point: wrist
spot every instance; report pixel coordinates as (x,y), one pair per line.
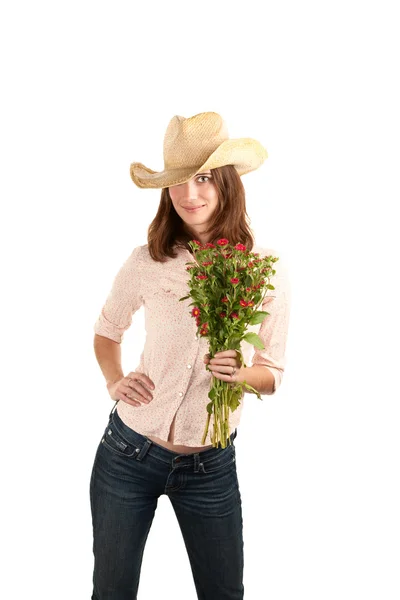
(241,374)
(110,382)
(259,377)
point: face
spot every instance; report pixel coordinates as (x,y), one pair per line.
(195,201)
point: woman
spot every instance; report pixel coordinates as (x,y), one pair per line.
(152,442)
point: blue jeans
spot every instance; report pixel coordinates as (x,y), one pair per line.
(129,474)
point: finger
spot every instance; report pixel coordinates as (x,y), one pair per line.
(226,353)
(126,399)
(142,378)
(223,361)
(134,380)
(227,370)
(137,391)
(133,398)
(224,376)
(222,369)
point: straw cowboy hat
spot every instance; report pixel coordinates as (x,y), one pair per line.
(197,144)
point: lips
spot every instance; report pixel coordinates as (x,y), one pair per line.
(193,209)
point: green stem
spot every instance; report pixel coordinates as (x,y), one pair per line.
(220,410)
(227,413)
(203,441)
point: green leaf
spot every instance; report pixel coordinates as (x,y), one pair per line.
(258,317)
(184,298)
(209,408)
(234,401)
(252,338)
(241,359)
(270,286)
(212,393)
(250,389)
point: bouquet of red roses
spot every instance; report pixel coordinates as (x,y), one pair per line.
(227,284)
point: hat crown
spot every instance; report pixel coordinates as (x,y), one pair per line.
(188,142)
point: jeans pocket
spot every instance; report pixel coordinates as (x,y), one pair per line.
(116,443)
(225,458)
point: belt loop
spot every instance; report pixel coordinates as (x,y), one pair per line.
(196,457)
(198,466)
(234,434)
(144,450)
(112,410)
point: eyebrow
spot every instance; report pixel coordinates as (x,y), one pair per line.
(205,173)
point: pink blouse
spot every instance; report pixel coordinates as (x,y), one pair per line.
(173,354)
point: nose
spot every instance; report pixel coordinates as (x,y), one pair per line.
(189,191)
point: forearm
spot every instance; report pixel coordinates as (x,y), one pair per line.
(259,377)
(108,355)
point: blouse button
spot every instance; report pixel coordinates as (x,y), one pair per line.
(181,393)
(189,366)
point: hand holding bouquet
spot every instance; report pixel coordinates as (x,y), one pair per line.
(227,284)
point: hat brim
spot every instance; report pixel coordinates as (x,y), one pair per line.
(245,154)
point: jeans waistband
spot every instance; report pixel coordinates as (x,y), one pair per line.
(141,441)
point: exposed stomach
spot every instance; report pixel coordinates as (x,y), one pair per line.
(177,448)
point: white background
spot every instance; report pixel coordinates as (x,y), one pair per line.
(88,88)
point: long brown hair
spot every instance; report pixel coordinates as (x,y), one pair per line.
(229,220)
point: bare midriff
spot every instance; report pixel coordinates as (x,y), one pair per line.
(176,447)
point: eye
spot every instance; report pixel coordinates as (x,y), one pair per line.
(203,177)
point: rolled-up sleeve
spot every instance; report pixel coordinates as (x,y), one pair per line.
(123,300)
(274,329)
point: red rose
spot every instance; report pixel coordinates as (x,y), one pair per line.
(234,280)
(223,242)
(201,276)
(240,247)
(195,312)
(243,302)
(234,315)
